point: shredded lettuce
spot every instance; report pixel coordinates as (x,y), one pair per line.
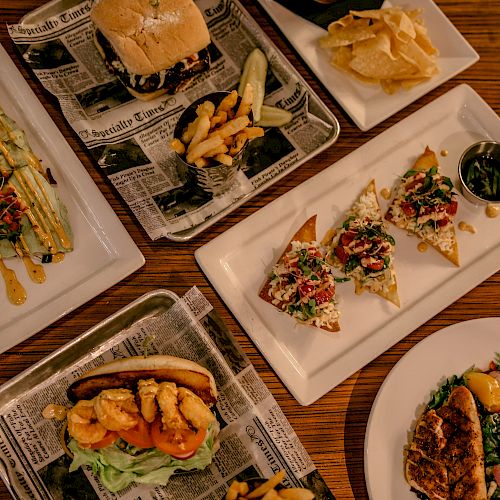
(117,467)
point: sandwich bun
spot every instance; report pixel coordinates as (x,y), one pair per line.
(150,36)
(126,372)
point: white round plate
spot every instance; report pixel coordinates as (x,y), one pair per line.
(406,390)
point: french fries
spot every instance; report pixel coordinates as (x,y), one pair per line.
(267,491)
(219,132)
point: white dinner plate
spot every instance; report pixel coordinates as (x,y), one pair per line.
(406,391)
(309,361)
(104,253)
(366,104)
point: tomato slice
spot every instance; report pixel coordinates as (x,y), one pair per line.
(180,444)
(139,436)
(107,440)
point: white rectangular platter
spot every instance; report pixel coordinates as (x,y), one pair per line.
(309,361)
(368,105)
(104,252)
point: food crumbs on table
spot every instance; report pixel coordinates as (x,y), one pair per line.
(444,152)
(464,226)
(492,211)
(385,193)
(422,247)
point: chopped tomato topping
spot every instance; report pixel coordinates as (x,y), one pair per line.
(347,237)
(323,296)
(452,207)
(305,290)
(378,265)
(408,209)
(179,443)
(341,254)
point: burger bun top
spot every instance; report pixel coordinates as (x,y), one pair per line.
(151,35)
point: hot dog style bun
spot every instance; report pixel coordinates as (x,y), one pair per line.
(142,419)
(153,46)
(126,372)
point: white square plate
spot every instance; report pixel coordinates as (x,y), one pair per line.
(104,252)
(408,388)
(368,105)
(309,361)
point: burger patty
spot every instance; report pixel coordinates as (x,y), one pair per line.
(169,79)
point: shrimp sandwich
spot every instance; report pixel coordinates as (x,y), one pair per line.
(141,419)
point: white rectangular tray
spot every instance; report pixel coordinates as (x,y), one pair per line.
(309,361)
(368,105)
(104,252)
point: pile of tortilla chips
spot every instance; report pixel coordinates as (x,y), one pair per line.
(389,47)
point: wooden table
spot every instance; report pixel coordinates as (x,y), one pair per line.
(332,430)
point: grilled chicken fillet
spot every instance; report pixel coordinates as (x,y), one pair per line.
(445,460)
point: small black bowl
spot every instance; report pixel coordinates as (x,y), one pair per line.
(489,150)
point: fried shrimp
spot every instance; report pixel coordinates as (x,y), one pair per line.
(167,400)
(116,409)
(194,409)
(83,424)
(147,396)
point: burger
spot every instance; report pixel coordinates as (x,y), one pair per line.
(153,46)
(142,419)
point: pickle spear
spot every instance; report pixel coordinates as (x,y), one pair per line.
(254,73)
(270,116)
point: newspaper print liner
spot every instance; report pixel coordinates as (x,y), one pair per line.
(129,139)
(259,438)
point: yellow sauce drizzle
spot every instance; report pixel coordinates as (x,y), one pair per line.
(463,226)
(385,193)
(36,205)
(422,247)
(492,211)
(15,291)
(58,257)
(56,411)
(444,152)
(36,272)
(6,153)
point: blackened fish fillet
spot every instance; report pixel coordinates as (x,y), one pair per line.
(445,460)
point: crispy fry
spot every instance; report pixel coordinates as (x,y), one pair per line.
(271,495)
(189,131)
(224,159)
(253,132)
(228,102)
(206,108)
(218,119)
(178,146)
(200,149)
(246,101)
(268,485)
(201,132)
(237,143)
(218,150)
(201,162)
(296,494)
(234,491)
(232,127)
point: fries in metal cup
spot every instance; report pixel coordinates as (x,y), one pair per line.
(267,490)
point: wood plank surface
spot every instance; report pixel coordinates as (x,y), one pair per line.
(332,430)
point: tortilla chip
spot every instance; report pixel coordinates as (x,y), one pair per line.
(306,233)
(388,45)
(425,161)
